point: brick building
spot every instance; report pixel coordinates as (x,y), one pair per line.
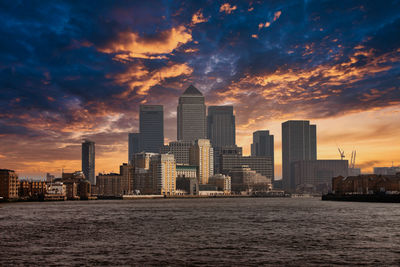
(8,184)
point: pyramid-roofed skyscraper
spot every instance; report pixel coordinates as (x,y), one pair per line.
(191,124)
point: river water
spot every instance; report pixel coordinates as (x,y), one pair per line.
(228,232)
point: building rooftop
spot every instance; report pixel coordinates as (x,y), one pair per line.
(191,90)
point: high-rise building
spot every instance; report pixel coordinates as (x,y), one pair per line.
(263,145)
(88,160)
(202,156)
(151,128)
(299,142)
(134,145)
(163,170)
(221,126)
(191,112)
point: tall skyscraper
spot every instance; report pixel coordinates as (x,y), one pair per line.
(134,145)
(88,160)
(263,145)
(221,126)
(202,156)
(191,111)
(151,128)
(299,142)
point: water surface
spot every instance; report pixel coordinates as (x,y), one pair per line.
(229,232)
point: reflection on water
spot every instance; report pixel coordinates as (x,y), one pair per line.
(245,231)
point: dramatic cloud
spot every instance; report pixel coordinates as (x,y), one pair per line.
(131,45)
(70,71)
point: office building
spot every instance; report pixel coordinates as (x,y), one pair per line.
(315,176)
(116,184)
(299,142)
(191,115)
(88,160)
(134,145)
(221,126)
(109,185)
(8,184)
(180,149)
(261,165)
(189,186)
(142,160)
(263,145)
(244,179)
(163,170)
(151,128)
(202,156)
(227,150)
(186,171)
(222,182)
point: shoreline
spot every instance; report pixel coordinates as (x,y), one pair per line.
(141,197)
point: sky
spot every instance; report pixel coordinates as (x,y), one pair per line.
(71,70)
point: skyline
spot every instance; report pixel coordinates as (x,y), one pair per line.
(68,74)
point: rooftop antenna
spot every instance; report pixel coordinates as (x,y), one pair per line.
(341,152)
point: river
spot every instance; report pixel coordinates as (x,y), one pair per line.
(206,232)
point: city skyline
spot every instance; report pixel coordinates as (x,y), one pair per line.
(69,75)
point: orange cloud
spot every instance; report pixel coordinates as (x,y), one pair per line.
(139,79)
(292,85)
(131,45)
(198,18)
(227,8)
(277,14)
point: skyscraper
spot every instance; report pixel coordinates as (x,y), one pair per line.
(263,145)
(221,126)
(134,145)
(299,142)
(151,128)
(88,160)
(191,111)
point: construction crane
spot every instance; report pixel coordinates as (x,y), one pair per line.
(341,152)
(353,159)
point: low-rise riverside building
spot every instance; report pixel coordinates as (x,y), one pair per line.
(32,189)
(76,185)
(56,191)
(366,184)
(8,184)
